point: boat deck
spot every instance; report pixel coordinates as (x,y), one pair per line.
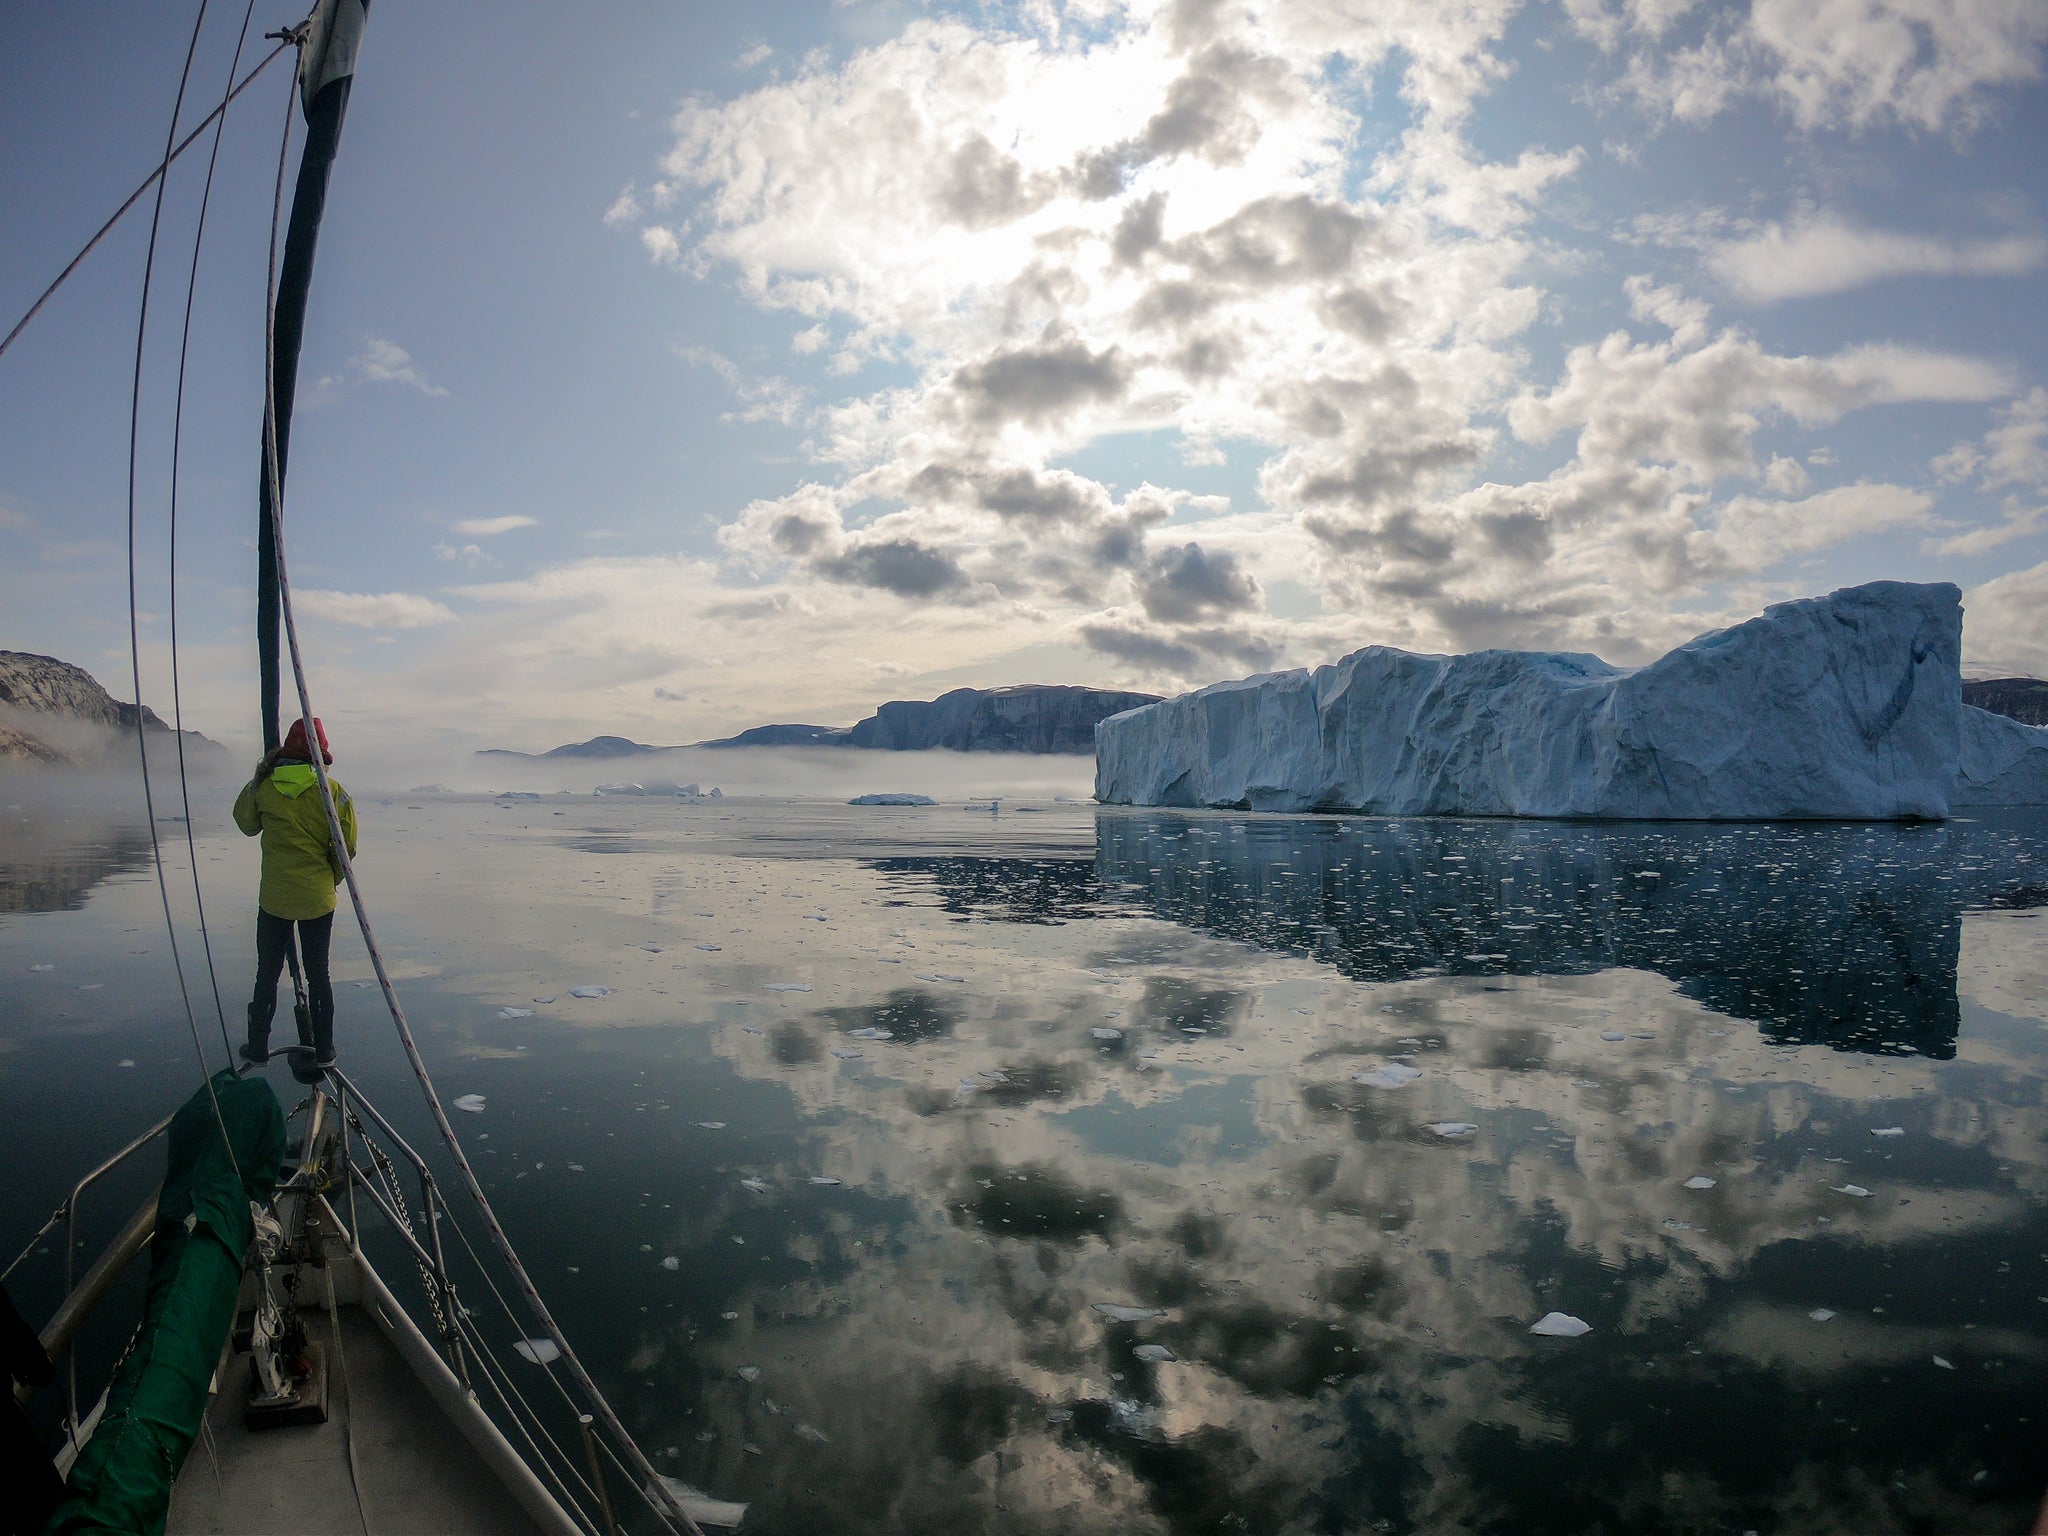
(413,1471)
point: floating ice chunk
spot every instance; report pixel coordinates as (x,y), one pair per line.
(671,1263)
(515,1013)
(590,991)
(1393,1074)
(1560,1325)
(966,1086)
(1944,1364)
(711,948)
(748,1373)
(541,1000)
(539,1351)
(1449,1128)
(42,967)
(1149,1054)
(473,1103)
(652,949)
(1851,1189)
(787,986)
(577,1168)
(1888,1130)
(701,1507)
(712,1125)
(125,1061)
(823,1180)
(1700,1181)
(847,1055)
(1123,1312)
(753,1029)
(871,1033)
(91,986)
(1821,1314)
(730,1317)
(1155,1353)
(935,976)
(1059,1415)
(1105,1032)
(890,799)
(813,1433)
(1612,1034)
(758,1186)
(1680,1226)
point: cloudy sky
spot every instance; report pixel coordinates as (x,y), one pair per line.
(673,368)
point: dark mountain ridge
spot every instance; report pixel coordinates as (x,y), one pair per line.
(56,714)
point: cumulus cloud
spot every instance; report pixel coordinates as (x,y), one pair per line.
(372,610)
(491,527)
(1830,255)
(1932,65)
(382,361)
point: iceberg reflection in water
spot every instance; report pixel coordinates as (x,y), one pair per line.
(1843,934)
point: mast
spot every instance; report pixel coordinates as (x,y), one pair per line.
(329,41)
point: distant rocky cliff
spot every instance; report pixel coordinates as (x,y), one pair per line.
(2024,699)
(1030,717)
(56,714)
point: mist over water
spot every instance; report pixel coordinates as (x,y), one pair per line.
(1067,1169)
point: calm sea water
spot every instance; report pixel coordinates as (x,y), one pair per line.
(1329,1112)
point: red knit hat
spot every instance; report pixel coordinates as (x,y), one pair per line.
(295,742)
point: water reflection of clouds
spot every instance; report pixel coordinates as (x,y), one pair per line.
(1345,1291)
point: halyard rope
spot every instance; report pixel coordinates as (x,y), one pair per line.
(658,1490)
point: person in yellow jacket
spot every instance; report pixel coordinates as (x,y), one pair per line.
(300,872)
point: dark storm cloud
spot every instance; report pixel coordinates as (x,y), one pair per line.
(1188,583)
(1040,382)
(1142,647)
(901,566)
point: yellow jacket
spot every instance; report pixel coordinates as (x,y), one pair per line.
(300,870)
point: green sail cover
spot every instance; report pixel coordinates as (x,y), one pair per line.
(122,1479)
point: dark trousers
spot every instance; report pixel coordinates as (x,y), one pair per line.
(273,936)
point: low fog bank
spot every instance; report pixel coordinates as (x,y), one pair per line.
(114,786)
(822,773)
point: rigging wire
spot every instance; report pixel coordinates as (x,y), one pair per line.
(134,621)
(177,445)
(136,196)
(664,1501)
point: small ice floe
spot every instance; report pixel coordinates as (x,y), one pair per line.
(1450,1128)
(91,986)
(1392,1074)
(671,1263)
(1123,1312)
(701,1507)
(752,1029)
(730,1317)
(812,1433)
(1106,1032)
(577,1168)
(652,949)
(1560,1325)
(787,986)
(871,1033)
(515,1013)
(823,1180)
(996,1075)
(543,1001)
(847,1055)
(538,1351)
(758,1186)
(1851,1189)
(1674,1225)
(1888,1130)
(125,1061)
(590,991)
(1700,1181)
(1821,1314)
(965,1086)
(1156,1354)
(748,1373)
(712,1125)
(1946,1365)
(890,799)
(1612,1035)
(1150,1054)
(710,948)
(471,1103)
(1059,1415)
(935,976)
(42,967)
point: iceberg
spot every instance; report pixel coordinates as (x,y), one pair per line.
(891,799)
(1846,707)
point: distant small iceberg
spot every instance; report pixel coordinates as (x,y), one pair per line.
(891,800)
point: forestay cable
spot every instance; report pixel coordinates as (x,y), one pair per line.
(177,446)
(136,196)
(134,622)
(658,1491)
